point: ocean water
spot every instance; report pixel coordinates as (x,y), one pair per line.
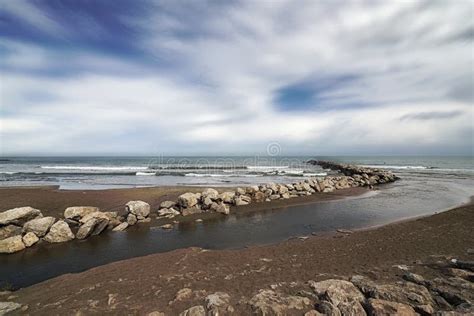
(120,172)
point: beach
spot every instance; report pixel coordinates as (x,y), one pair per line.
(357,220)
(146,284)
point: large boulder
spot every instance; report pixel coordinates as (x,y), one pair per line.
(8,307)
(378,307)
(227,197)
(77,212)
(99,215)
(93,226)
(188,200)
(138,208)
(210,193)
(39,226)
(9,231)
(59,232)
(269,302)
(19,216)
(11,244)
(30,239)
(218,304)
(336,291)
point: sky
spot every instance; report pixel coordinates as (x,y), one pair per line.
(189,77)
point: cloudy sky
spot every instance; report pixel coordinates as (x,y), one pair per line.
(229,77)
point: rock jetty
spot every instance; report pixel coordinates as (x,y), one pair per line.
(25,226)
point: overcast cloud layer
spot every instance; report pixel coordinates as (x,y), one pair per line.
(218,77)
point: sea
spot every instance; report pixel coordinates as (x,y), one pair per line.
(92,173)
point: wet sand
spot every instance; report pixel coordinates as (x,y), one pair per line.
(149,283)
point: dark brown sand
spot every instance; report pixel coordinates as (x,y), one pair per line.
(149,283)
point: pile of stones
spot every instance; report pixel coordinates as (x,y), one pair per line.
(23,227)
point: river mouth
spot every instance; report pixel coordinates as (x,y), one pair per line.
(409,197)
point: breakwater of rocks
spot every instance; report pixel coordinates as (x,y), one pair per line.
(26,226)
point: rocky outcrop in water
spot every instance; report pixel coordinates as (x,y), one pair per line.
(25,226)
(364,175)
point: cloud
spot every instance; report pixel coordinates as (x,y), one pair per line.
(153,77)
(431,115)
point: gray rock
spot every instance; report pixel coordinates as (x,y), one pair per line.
(168,212)
(92,227)
(210,193)
(9,231)
(194,311)
(336,291)
(59,232)
(259,196)
(188,200)
(120,227)
(223,208)
(227,197)
(19,216)
(274,197)
(190,211)
(167,204)
(378,307)
(238,201)
(466,265)
(131,219)
(138,208)
(207,202)
(12,244)
(328,309)
(246,198)
(218,303)
(30,239)
(97,215)
(39,226)
(415,278)
(77,212)
(269,302)
(8,307)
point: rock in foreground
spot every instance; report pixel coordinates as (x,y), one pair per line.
(59,232)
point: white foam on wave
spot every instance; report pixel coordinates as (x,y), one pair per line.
(269,168)
(96,168)
(211,175)
(8,172)
(394,167)
(145,174)
(320,174)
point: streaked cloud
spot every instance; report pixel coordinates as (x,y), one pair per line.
(172,77)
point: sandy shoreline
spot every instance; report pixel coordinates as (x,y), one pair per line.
(149,283)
